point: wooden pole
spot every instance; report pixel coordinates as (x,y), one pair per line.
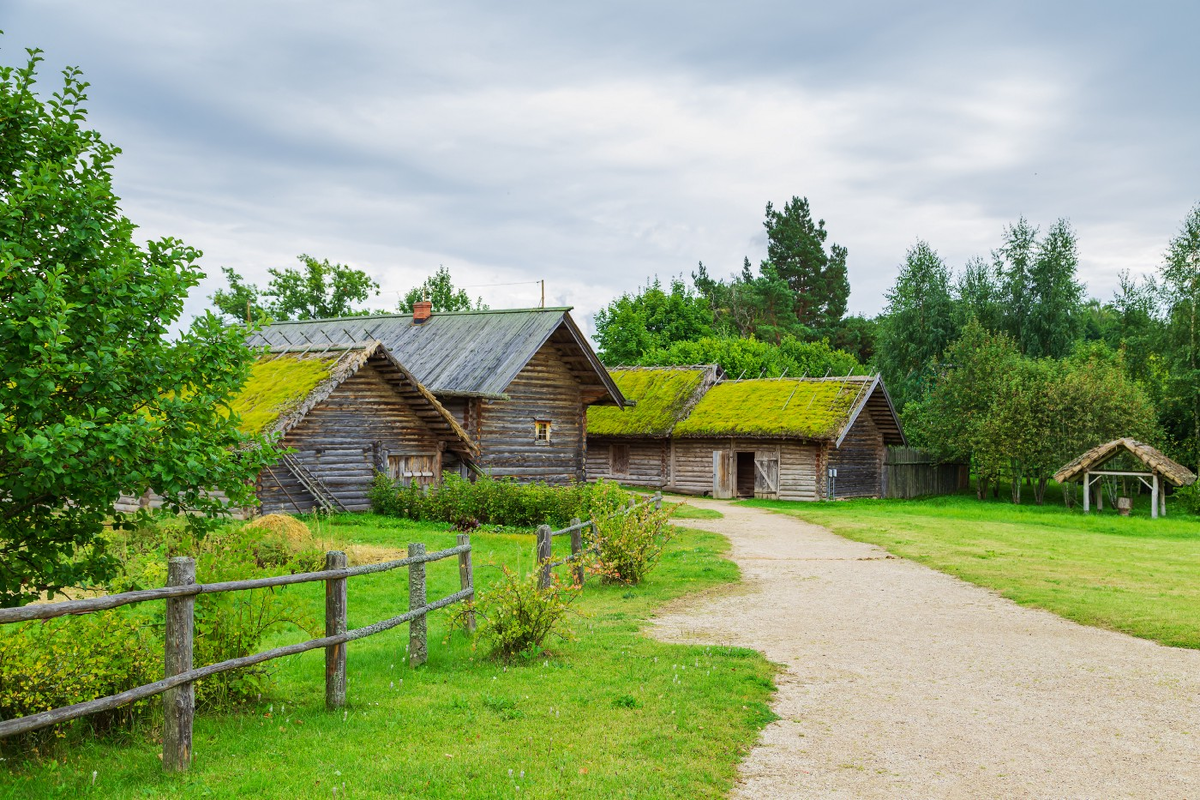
(335,623)
(1087,492)
(1154,496)
(1162,499)
(577,551)
(466,577)
(179,703)
(544,555)
(418,652)
(658,501)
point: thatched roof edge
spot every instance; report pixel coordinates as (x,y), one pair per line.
(1152,457)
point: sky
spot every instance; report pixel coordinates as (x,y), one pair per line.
(596,145)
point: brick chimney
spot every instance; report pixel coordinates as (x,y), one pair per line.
(421,311)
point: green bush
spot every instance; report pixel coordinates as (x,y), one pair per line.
(59,662)
(488,501)
(629,540)
(516,617)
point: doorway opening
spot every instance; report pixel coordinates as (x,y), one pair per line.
(745,474)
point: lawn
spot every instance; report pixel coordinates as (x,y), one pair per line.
(612,714)
(1130,574)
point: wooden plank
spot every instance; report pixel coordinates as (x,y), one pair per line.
(179,703)
(418,652)
(335,624)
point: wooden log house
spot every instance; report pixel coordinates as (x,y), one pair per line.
(518,382)
(785,439)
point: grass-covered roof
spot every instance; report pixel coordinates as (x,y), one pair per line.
(278,385)
(795,408)
(661,396)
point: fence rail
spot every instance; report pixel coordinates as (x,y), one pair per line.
(180,594)
(545,538)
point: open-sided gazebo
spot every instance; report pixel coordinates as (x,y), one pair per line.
(1159,471)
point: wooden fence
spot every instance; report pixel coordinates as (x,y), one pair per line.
(179,675)
(545,541)
(909,472)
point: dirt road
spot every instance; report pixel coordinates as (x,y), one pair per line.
(900,681)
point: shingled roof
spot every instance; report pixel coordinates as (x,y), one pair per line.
(663,396)
(794,408)
(462,353)
(1153,458)
(287,382)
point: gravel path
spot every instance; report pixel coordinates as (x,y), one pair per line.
(900,681)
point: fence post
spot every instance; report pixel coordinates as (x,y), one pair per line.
(577,551)
(544,555)
(179,703)
(335,623)
(418,651)
(658,501)
(466,577)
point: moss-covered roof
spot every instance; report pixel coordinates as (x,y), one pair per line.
(798,408)
(278,385)
(662,396)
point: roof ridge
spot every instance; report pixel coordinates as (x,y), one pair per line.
(405,315)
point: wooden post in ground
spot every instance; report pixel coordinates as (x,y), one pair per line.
(577,551)
(658,501)
(466,577)
(179,703)
(544,555)
(1154,496)
(1087,492)
(1162,499)
(335,623)
(418,652)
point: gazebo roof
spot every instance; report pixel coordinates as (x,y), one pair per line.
(1153,458)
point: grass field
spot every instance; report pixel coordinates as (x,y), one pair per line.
(1130,574)
(613,714)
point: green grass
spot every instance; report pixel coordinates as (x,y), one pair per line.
(685,511)
(661,396)
(1130,574)
(772,407)
(614,714)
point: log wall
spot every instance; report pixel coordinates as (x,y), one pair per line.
(859,461)
(799,465)
(649,461)
(343,441)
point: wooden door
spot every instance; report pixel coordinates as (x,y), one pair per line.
(722,475)
(414,469)
(766,473)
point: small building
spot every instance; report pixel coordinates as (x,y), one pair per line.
(1126,458)
(518,382)
(785,439)
(634,445)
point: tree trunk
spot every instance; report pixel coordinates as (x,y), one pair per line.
(1039,491)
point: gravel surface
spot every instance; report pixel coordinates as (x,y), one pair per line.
(900,681)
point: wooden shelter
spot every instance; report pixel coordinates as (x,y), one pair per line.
(634,445)
(785,438)
(518,382)
(1159,471)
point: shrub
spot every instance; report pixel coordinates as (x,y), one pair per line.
(517,617)
(629,541)
(60,662)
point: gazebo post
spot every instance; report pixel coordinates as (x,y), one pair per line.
(1154,496)
(1162,499)
(1087,492)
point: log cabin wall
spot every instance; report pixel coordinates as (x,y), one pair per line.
(545,390)
(343,440)
(800,468)
(799,465)
(642,462)
(859,461)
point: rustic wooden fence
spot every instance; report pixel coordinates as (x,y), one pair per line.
(909,472)
(545,542)
(179,675)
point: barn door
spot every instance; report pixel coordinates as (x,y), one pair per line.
(722,475)
(766,474)
(420,470)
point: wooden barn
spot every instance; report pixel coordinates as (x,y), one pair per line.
(785,439)
(518,382)
(634,445)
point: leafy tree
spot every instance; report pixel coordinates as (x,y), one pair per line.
(635,324)
(1014,265)
(96,397)
(240,301)
(320,290)
(917,324)
(978,295)
(750,358)
(439,289)
(1181,281)
(796,250)
(1056,298)
(856,335)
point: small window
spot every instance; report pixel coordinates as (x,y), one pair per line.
(541,430)
(618,459)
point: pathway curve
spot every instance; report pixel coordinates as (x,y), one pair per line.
(900,681)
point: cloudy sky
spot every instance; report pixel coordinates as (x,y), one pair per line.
(596,144)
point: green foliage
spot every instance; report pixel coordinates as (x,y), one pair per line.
(240,302)
(634,324)
(1042,299)
(662,395)
(439,289)
(978,295)
(320,290)
(54,663)
(751,358)
(630,540)
(760,306)
(1181,282)
(806,409)
(517,618)
(97,395)
(487,501)
(796,251)
(277,385)
(917,324)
